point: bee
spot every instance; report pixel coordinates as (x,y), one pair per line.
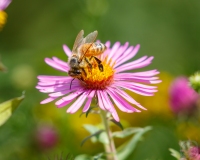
(83,53)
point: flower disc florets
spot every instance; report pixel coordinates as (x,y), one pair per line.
(97,79)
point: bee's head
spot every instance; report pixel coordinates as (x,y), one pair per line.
(73,62)
(75,73)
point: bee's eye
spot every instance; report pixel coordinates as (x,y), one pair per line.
(73,62)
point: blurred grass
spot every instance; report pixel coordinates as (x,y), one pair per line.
(168,30)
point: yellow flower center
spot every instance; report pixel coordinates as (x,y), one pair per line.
(97,79)
(3,17)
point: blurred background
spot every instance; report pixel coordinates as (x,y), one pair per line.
(168,30)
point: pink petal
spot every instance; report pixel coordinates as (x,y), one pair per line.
(146,73)
(113,50)
(55,65)
(50,99)
(67,50)
(135,64)
(60,62)
(107,102)
(78,103)
(127,55)
(100,102)
(107,44)
(128,98)
(53,78)
(121,103)
(4,4)
(64,92)
(119,53)
(88,103)
(64,103)
(104,101)
(137,90)
(69,97)
(54,88)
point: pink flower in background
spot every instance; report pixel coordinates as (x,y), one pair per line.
(194,153)
(182,96)
(4,4)
(46,137)
(108,87)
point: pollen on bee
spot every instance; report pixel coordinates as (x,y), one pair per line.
(96,79)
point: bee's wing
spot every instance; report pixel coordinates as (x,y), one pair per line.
(90,38)
(78,41)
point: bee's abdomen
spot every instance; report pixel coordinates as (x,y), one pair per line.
(93,49)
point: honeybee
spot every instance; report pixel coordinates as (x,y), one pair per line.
(83,53)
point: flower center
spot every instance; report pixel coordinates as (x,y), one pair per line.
(97,79)
(3,17)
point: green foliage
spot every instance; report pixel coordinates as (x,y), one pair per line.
(175,153)
(195,81)
(117,123)
(7,108)
(126,132)
(126,149)
(96,134)
(83,157)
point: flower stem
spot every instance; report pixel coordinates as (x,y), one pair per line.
(110,148)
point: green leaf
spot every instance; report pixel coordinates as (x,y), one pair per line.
(103,138)
(99,156)
(126,132)
(91,128)
(83,157)
(7,108)
(92,135)
(117,123)
(91,109)
(175,153)
(126,149)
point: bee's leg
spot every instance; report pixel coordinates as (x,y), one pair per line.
(84,71)
(71,83)
(88,63)
(99,63)
(81,79)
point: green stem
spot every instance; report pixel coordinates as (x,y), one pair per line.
(110,148)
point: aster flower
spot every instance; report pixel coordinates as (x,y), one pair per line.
(108,86)
(182,97)
(3,5)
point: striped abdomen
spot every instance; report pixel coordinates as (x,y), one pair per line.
(92,49)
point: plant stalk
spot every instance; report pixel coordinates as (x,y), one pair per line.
(110,148)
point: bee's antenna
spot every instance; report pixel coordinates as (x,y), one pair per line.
(71,83)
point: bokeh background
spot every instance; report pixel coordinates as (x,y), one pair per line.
(169,30)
